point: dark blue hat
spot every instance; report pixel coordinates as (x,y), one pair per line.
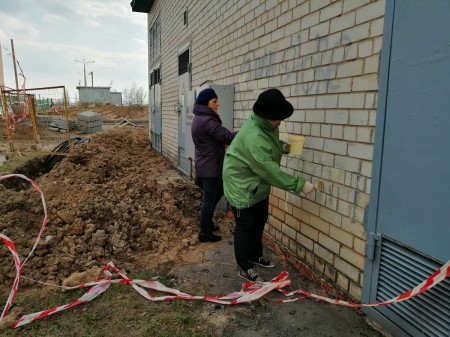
(271,104)
(205,96)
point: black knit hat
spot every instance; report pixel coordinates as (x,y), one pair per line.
(205,96)
(272,105)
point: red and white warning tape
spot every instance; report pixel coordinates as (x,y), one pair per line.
(249,292)
(10,244)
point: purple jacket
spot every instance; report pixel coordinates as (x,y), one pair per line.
(210,138)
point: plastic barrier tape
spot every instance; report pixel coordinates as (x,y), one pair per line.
(249,292)
(8,242)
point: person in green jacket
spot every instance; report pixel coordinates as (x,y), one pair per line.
(251,167)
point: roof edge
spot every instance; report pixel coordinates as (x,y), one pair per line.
(141,6)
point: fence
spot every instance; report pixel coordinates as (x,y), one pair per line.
(35,120)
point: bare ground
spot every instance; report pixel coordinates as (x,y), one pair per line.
(111,199)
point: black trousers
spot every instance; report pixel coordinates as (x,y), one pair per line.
(212,193)
(248,233)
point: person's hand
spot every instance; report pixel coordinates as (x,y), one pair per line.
(287,148)
(308,187)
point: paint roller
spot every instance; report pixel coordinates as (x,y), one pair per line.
(319,185)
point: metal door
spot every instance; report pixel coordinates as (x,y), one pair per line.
(184,87)
(155,109)
(409,217)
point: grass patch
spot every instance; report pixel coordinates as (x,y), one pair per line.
(120,311)
(13,164)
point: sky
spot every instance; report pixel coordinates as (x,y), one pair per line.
(104,36)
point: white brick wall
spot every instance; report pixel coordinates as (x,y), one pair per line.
(324,56)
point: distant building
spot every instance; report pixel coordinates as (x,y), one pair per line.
(116,98)
(99,95)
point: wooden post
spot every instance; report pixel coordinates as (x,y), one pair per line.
(32,111)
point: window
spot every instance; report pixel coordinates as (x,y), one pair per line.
(185,17)
(155,77)
(183,63)
(154,37)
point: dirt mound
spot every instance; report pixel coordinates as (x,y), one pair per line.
(112,199)
(109,112)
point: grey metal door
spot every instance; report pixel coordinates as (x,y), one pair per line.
(184,87)
(155,110)
(409,217)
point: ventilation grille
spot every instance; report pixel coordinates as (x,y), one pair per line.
(156,142)
(183,63)
(402,269)
(155,77)
(184,164)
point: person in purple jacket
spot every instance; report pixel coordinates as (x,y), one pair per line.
(210,139)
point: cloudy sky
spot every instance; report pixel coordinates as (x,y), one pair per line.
(49,35)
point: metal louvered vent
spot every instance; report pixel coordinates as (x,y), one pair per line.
(402,269)
(183,63)
(184,164)
(156,142)
(155,77)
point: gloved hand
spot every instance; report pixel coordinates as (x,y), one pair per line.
(308,187)
(287,148)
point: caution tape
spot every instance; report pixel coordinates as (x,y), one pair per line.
(250,291)
(10,244)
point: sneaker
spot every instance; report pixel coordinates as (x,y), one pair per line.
(250,275)
(210,237)
(264,262)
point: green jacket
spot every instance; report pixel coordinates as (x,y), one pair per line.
(252,164)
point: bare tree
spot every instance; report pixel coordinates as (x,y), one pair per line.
(126,96)
(140,96)
(134,96)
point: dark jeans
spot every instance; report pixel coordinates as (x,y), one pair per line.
(248,233)
(212,193)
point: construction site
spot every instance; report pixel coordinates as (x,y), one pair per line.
(99,206)
(111,198)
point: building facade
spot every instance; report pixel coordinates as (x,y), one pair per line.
(326,57)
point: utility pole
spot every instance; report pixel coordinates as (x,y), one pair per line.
(2,78)
(84,68)
(15,73)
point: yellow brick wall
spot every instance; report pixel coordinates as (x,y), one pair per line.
(324,56)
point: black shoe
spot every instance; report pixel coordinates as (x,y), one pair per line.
(210,237)
(264,262)
(250,275)
(214,228)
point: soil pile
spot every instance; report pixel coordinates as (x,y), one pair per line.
(112,199)
(109,112)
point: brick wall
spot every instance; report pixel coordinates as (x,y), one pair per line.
(324,56)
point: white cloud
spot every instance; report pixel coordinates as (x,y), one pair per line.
(50,34)
(52,18)
(10,26)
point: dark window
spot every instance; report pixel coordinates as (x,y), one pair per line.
(155,77)
(183,63)
(185,18)
(154,39)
